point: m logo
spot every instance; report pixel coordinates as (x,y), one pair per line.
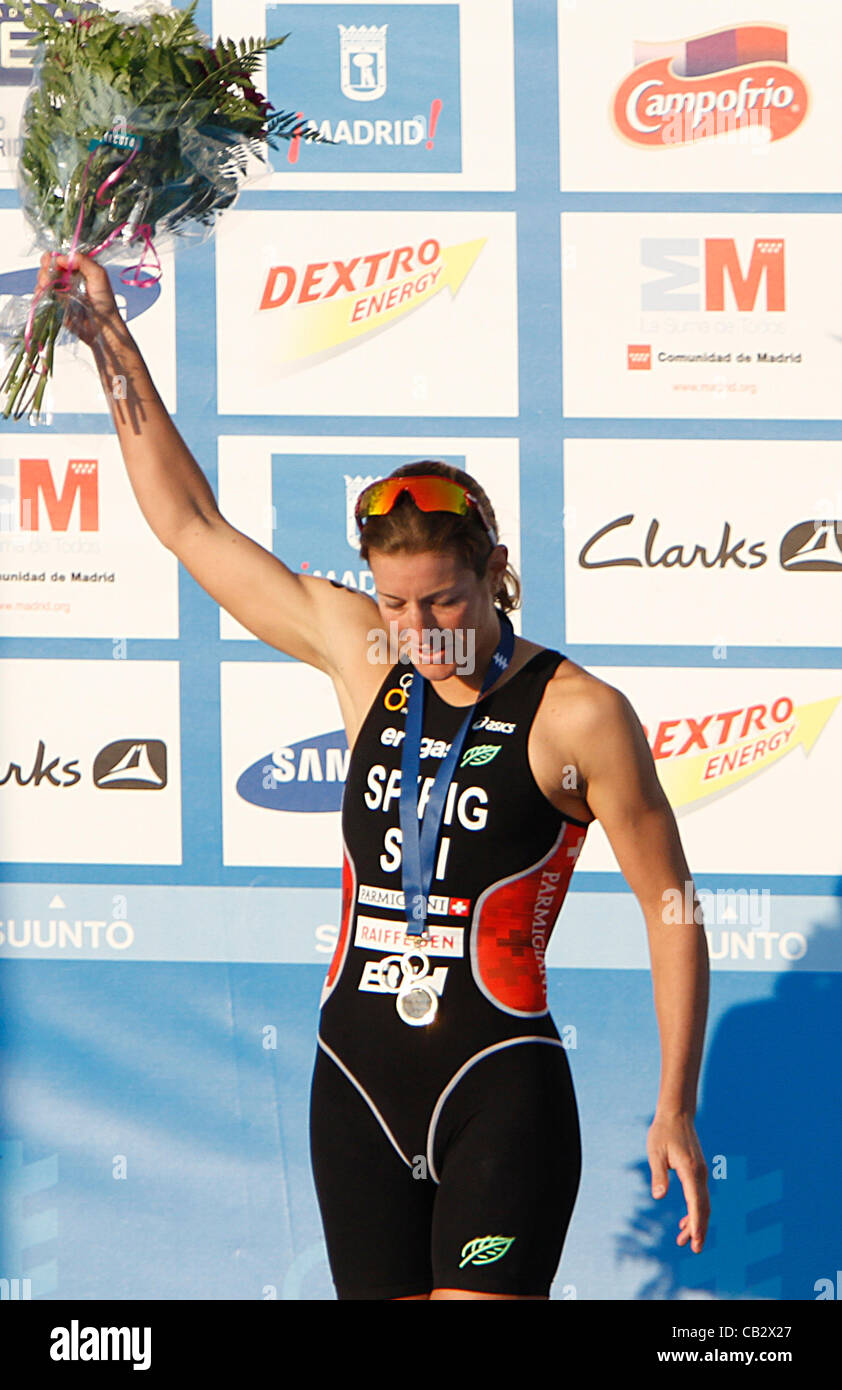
(480,754)
(681,260)
(37,484)
(484,1250)
(362,55)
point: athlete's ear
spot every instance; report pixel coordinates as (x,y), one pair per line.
(496,566)
(498,559)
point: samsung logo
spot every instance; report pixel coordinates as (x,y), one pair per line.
(305,776)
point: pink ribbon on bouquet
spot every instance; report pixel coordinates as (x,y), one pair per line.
(142,231)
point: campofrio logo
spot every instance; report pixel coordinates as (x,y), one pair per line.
(304,776)
(726,81)
(324,306)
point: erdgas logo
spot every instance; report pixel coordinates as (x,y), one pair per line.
(304,776)
(734,79)
(484,1250)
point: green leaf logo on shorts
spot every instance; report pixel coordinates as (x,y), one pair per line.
(484,1250)
(480,754)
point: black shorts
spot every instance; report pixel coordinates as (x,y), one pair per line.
(491,1216)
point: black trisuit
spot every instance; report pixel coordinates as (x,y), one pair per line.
(448,1155)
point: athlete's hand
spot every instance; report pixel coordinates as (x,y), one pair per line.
(92,301)
(673,1143)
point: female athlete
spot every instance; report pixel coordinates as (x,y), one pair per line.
(444,1128)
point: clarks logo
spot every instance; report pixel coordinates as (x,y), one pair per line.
(813,545)
(809,545)
(126,764)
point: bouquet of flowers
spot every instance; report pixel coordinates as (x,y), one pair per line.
(136,128)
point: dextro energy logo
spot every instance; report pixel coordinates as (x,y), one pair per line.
(323,306)
(394,102)
(695,271)
(728,81)
(305,776)
(699,756)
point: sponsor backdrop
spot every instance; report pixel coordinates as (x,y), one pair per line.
(587,252)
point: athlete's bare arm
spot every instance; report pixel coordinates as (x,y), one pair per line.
(307,617)
(597,729)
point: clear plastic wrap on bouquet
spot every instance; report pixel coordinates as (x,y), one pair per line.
(136,132)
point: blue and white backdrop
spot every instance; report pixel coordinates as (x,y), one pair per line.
(587,251)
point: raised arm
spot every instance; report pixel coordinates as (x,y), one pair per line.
(306,617)
(625,795)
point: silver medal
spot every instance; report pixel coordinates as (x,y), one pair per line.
(417,1002)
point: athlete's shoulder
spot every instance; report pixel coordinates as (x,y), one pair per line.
(582,702)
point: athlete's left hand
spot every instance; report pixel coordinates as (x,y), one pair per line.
(673,1143)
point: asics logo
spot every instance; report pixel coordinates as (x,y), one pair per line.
(494,726)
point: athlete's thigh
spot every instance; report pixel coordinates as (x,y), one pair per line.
(508,1157)
(376,1215)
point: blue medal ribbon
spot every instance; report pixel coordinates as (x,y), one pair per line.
(419,843)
